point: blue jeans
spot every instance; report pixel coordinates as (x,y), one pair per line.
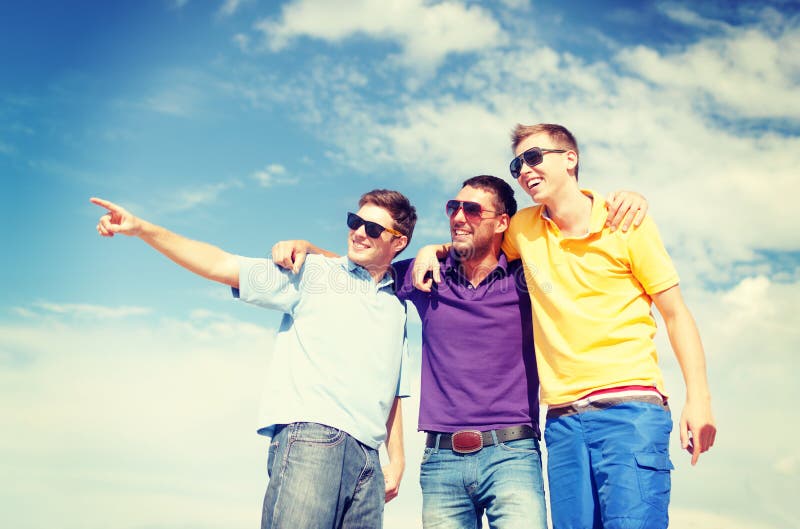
(322,478)
(610,468)
(504,481)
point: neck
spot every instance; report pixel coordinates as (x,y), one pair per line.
(377,271)
(571,212)
(477,267)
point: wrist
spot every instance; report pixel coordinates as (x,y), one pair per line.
(698,399)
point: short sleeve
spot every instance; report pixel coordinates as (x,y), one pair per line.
(263,283)
(651,265)
(403,383)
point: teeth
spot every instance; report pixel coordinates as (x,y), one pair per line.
(534,183)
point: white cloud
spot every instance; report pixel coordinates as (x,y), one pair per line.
(143,415)
(641,131)
(83,310)
(425,32)
(688,17)
(747,70)
(273,174)
(178,101)
(242,41)
(186,199)
(7,148)
(177,92)
(750,339)
(788,465)
(517,4)
(701,519)
(229,7)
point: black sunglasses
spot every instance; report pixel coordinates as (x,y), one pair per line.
(372,229)
(532,156)
(472,210)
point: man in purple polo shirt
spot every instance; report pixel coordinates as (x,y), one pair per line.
(479,386)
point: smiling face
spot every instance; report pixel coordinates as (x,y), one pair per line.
(374,254)
(474,237)
(550,178)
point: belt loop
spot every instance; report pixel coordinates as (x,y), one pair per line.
(494,438)
(436,446)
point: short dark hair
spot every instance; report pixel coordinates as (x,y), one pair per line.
(504,201)
(560,135)
(397,204)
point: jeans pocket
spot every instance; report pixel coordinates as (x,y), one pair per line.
(309,432)
(426,454)
(522,446)
(653,473)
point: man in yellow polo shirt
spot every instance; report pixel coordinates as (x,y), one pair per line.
(608,424)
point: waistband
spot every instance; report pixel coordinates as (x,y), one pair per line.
(606,398)
(468,441)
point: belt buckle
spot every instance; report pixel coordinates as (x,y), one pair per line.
(467,441)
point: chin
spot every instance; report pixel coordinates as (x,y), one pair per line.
(359,258)
(463,249)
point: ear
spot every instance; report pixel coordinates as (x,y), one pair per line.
(398,243)
(572,160)
(502,223)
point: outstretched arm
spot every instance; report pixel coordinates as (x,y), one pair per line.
(393,472)
(292,254)
(198,257)
(698,429)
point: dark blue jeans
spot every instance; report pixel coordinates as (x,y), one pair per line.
(322,478)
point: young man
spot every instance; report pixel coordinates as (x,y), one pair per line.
(608,424)
(325,423)
(479,389)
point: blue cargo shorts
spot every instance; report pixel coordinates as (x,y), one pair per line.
(608,465)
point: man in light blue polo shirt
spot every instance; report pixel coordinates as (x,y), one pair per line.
(333,387)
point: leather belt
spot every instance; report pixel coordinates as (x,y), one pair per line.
(469,441)
(607,401)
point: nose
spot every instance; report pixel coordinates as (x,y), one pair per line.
(525,169)
(361,232)
(459,215)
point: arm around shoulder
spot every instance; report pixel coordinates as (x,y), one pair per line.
(291,254)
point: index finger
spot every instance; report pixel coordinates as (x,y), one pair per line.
(697,450)
(104,203)
(619,213)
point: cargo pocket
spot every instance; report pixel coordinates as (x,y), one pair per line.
(653,473)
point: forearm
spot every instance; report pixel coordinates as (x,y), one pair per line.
(201,258)
(394,437)
(685,341)
(688,347)
(311,248)
(442,249)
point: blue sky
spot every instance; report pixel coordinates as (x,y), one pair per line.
(130,387)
